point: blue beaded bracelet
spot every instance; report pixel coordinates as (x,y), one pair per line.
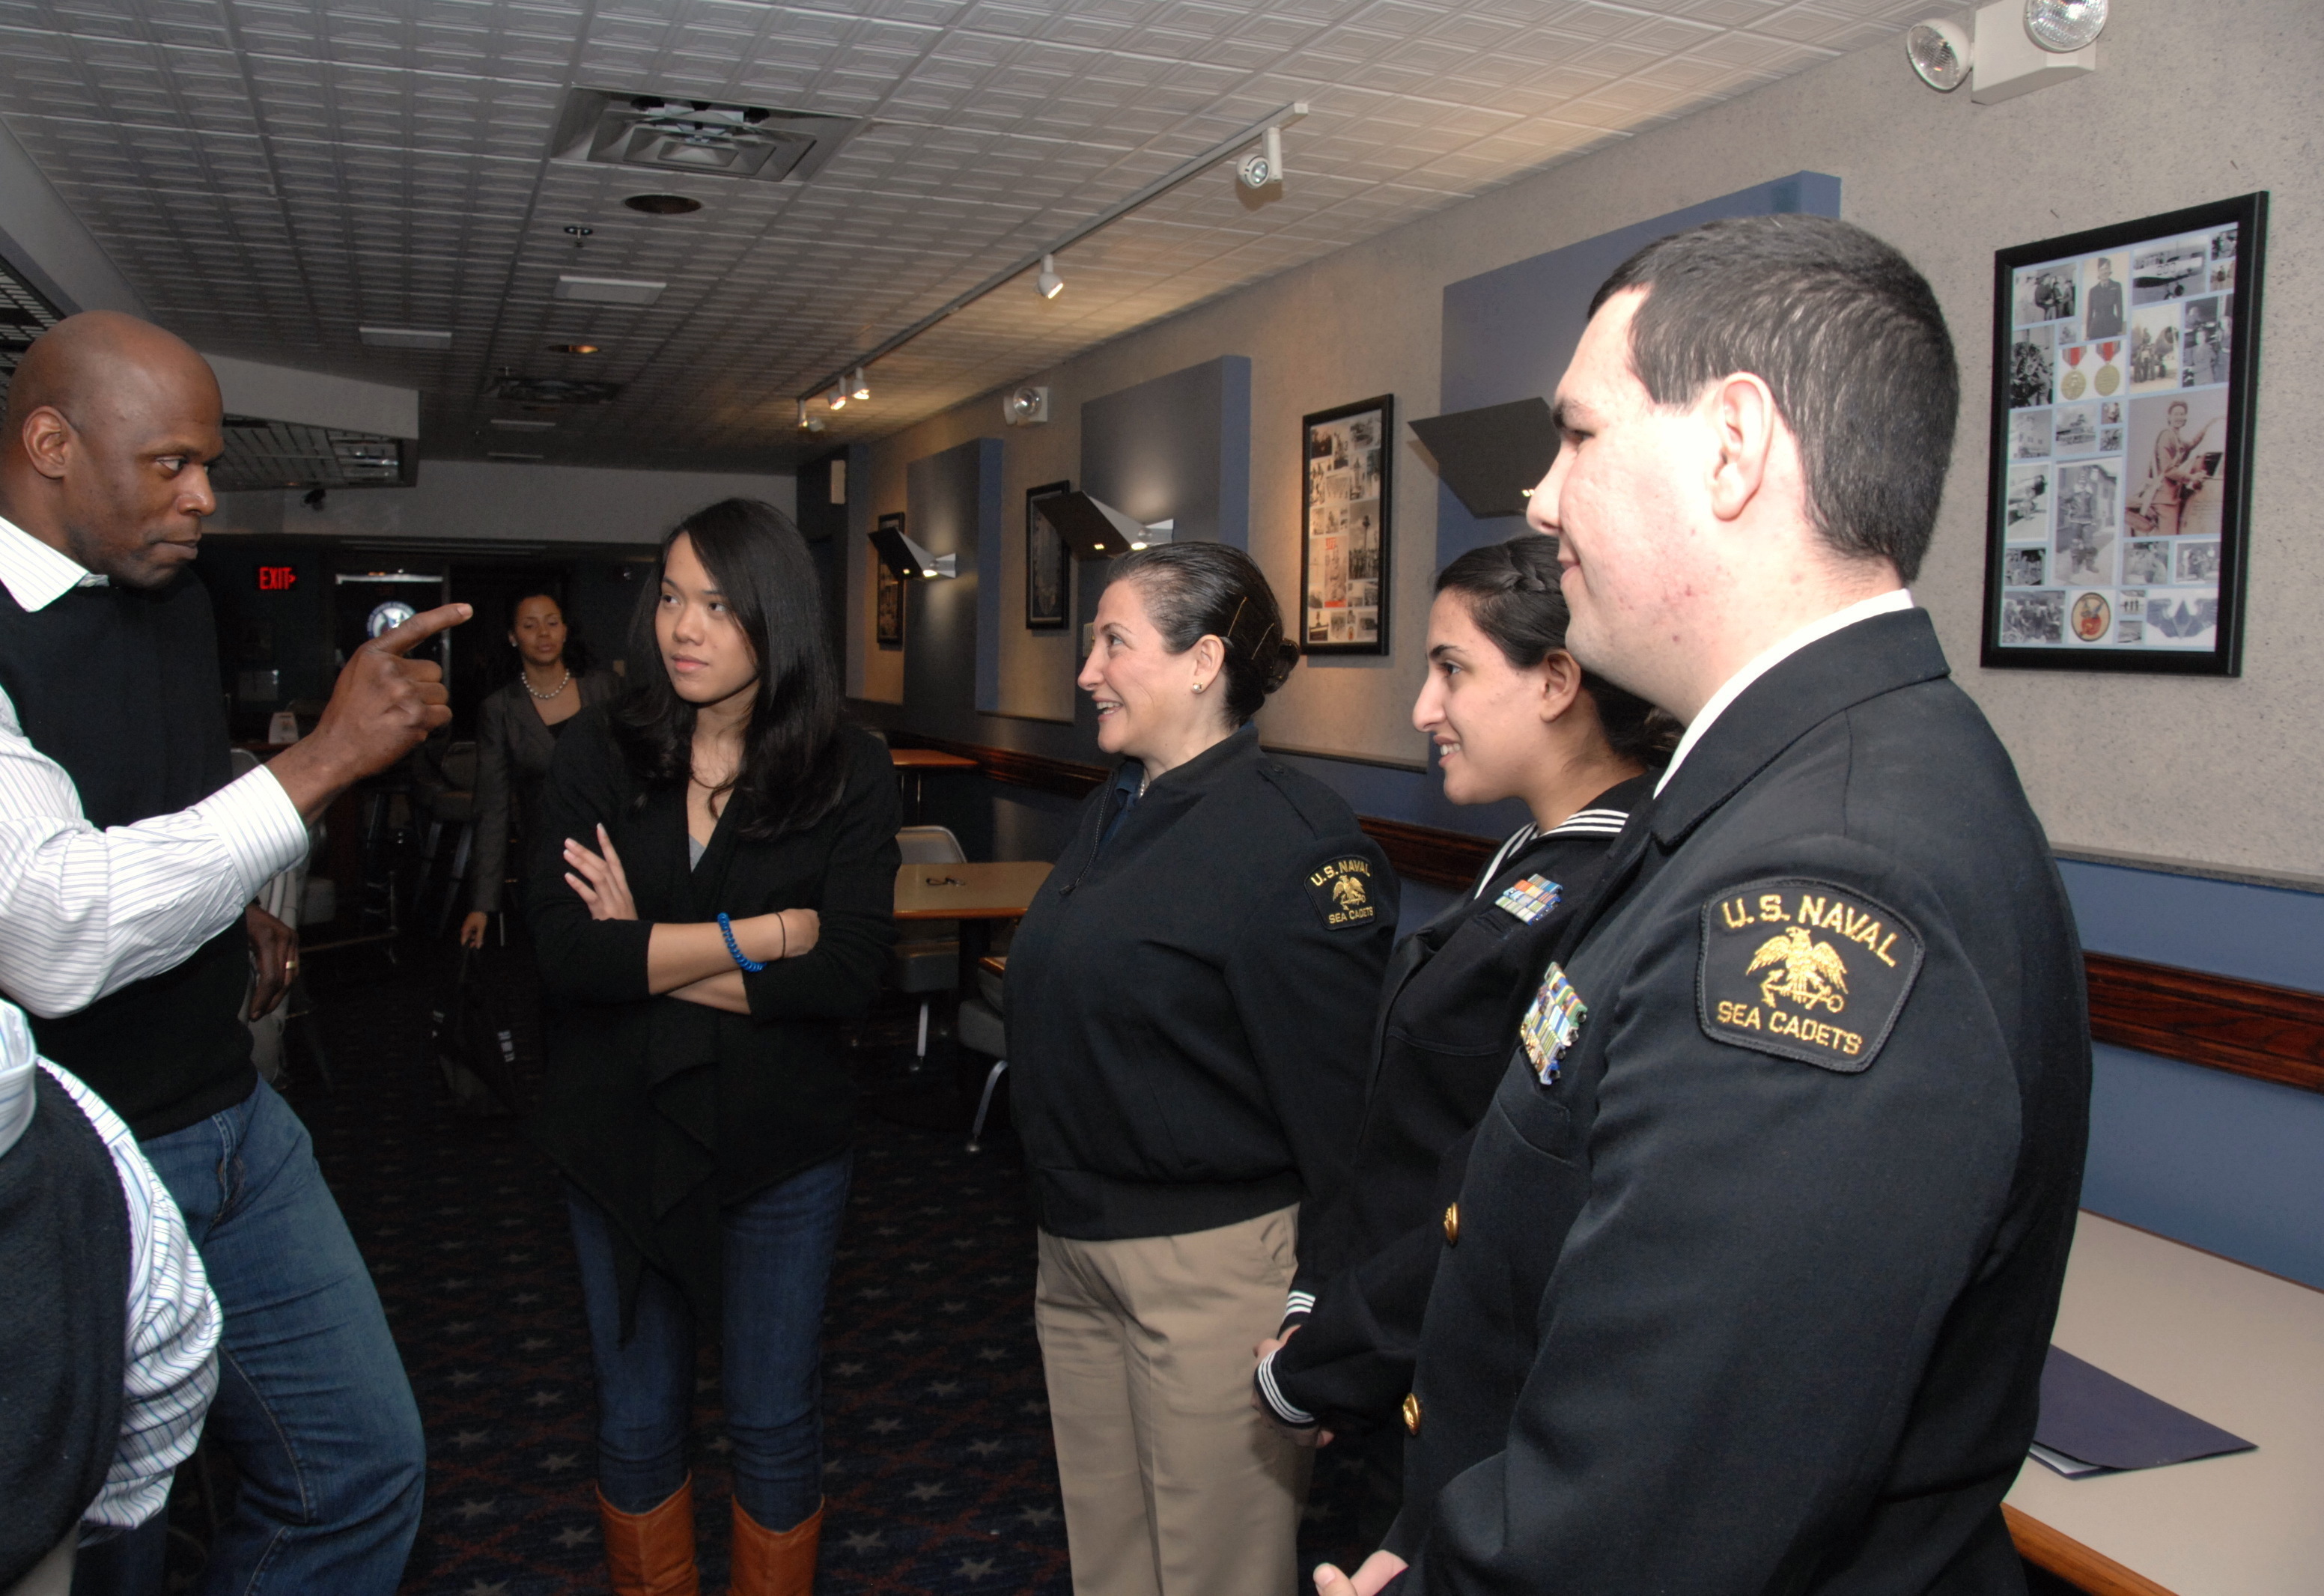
(726,929)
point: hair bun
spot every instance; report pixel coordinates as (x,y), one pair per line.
(1279,669)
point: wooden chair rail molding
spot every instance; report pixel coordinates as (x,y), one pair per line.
(2072,1561)
(2270,1032)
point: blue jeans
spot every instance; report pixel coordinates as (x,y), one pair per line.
(312,1404)
(778,1250)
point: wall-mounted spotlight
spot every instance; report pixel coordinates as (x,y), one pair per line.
(1092,527)
(1048,283)
(858,386)
(907,558)
(1263,165)
(2013,47)
(838,396)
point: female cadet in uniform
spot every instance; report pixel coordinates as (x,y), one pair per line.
(719,901)
(1190,1003)
(1513,716)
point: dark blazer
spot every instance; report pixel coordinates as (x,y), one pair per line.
(1753,1286)
(1449,1010)
(1190,1003)
(513,745)
(661,1110)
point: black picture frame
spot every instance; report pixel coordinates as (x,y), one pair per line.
(888,596)
(1048,569)
(2118,500)
(1346,490)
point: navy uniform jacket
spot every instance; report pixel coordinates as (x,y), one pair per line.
(1190,999)
(1752,1292)
(1448,1011)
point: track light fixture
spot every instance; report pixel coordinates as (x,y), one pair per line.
(859,387)
(802,404)
(1048,283)
(1263,165)
(838,400)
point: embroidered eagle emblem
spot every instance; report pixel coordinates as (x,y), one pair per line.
(1348,892)
(1808,971)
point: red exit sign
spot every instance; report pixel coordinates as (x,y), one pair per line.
(277,578)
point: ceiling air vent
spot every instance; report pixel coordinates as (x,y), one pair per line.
(614,128)
(519,389)
(263,454)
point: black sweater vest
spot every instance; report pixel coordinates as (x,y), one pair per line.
(121,689)
(64,1318)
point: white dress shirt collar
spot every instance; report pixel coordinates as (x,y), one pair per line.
(35,575)
(1732,688)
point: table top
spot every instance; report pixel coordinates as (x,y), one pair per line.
(991,891)
(930,759)
(2240,1348)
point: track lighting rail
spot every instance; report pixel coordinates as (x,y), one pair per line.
(1281,117)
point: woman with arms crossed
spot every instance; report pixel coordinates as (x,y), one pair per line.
(1190,1002)
(1512,717)
(709,898)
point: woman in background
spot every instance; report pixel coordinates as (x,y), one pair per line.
(1190,1002)
(517,728)
(1512,717)
(709,898)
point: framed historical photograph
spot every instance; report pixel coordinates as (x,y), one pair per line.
(1344,495)
(2125,364)
(1048,573)
(888,594)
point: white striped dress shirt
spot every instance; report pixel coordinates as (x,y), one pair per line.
(171,1369)
(84,912)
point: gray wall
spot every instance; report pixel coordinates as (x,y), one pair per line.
(506,500)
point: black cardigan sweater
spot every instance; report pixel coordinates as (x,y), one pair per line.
(1191,1002)
(663,1110)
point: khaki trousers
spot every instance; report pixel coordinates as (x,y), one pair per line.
(1174,1485)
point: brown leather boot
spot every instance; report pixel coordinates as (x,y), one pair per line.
(652,1554)
(775,1563)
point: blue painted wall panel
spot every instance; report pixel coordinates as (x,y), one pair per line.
(2269,933)
(1509,333)
(2217,1160)
(1175,448)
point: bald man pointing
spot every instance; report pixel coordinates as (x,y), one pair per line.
(127,867)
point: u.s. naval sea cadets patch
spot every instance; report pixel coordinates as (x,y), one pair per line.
(1806,969)
(1342,891)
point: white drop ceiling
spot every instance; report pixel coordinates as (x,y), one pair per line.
(271,175)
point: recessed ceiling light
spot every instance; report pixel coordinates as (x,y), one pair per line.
(663,205)
(576,348)
(512,424)
(405,338)
(608,291)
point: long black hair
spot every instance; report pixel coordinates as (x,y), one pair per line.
(1198,590)
(790,776)
(1513,595)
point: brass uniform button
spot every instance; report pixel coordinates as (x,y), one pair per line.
(1453,1225)
(1412,1413)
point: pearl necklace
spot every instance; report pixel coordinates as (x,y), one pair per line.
(552,692)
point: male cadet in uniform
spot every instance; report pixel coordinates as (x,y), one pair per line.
(1753,1269)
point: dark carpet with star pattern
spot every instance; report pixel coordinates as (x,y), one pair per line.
(941,1475)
